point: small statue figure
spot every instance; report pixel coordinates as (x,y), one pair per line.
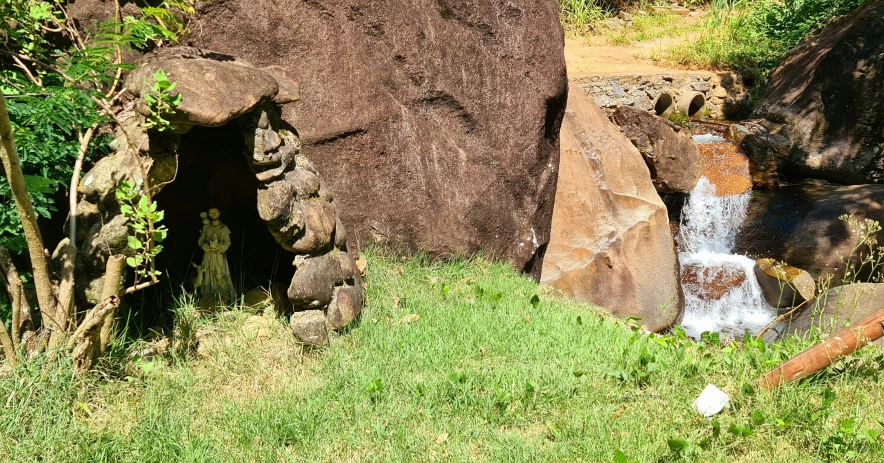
(213,275)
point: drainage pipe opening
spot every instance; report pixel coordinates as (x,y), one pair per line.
(691,103)
(664,105)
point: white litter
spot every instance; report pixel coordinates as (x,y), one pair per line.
(711,401)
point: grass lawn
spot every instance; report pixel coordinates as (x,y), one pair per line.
(487,373)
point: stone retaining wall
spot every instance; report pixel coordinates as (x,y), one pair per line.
(725,95)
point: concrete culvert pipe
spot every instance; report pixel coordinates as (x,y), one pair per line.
(664,105)
(690,103)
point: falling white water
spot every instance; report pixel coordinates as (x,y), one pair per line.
(709,225)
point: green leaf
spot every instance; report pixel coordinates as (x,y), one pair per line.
(126,209)
(620,457)
(677,445)
(704,443)
(135,243)
(530,387)
(130,261)
(739,430)
(579,320)
(829,397)
(579,373)
(143,205)
(757,418)
(716,429)
(535,301)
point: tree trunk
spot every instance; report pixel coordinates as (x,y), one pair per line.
(113,276)
(21,309)
(14,175)
(822,355)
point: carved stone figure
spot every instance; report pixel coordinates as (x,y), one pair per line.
(214,273)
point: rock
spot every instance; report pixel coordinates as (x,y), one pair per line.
(611,245)
(104,240)
(700,86)
(671,155)
(828,92)
(784,285)
(345,307)
(310,327)
(349,272)
(212,92)
(726,167)
(799,224)
(319,227)
(712,283)
(767,153)
(719,92)
(99,185)
(837,309)
(305,183)
(278,207)
(401,113)
(315,280)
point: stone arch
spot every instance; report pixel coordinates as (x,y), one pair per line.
(325,290)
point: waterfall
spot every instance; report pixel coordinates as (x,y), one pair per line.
(721,292)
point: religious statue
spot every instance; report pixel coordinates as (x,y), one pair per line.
(213,275)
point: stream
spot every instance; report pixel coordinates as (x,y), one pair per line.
(720,289)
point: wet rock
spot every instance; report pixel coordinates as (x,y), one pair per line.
(711,283)
(726,167)
(784,285)
(315,280)
(800,224)
(669,151)
(767,153)
(310,327)
(213,92)
(611,244)
(833,311)
(345,307)
(828,92)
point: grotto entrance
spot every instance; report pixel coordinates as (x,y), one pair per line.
(212,172)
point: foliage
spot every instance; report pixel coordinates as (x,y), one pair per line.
(146,235)
(579,16)
(54,76)
(161,103)
(753,36)
(480,377)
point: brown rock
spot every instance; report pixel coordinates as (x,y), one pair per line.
(212,92)
(346,305)
(315,280)
(310,327)
(305,183)
(834,311)
(437,120)
(348,267)
(800,224)
(712,283)
(767,153)
(611,245)
(784,285)
(828,92)
(726,167)
(319,227)
(278,207)
(669,151)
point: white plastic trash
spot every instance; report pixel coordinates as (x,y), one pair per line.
(711,401)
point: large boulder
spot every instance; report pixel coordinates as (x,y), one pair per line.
(833,311)
(610,244)
(800,225)
(669,151)
(827,94)
(213,92)
(434,123)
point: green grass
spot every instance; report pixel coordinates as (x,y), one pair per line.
(648,26)
(485,374)
(579,17)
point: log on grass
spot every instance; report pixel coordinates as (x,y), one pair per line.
(822,355)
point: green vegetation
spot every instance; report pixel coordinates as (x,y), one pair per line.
(647,27)
(495,369)
(579,16)
(60,82)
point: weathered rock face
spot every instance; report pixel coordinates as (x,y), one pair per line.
(828,94)
(669,151)
(767,152)
(834,311)
(433,122)
(610,244)
(784,285)
(711,283)
(212,92)
(800,224)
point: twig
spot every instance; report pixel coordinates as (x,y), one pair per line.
(140,286)
(781,318)
(75,180)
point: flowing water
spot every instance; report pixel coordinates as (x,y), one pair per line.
(721,292)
